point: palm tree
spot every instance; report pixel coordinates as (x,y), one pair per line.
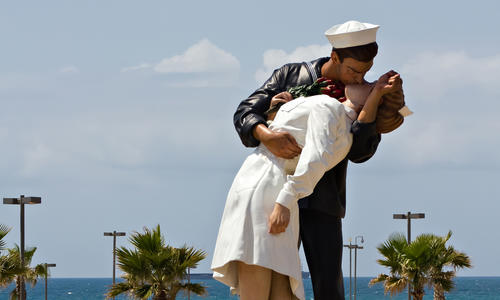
(154,269)
(421,263)
(446,261)
(8,264)
(14,271)
(394,251)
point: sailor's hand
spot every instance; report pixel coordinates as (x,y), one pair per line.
(281,144)
(279,219)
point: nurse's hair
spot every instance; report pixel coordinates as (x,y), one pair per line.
(388,116)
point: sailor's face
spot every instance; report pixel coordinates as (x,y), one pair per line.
(353,71)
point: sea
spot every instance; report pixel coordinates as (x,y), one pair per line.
(467,288)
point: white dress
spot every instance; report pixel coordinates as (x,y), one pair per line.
(321,126)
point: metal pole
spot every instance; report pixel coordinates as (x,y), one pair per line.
(350,270)
(355,267)
(409,216)
(356,247)
(350,267)
(114,257)
(21,277)
(114,234)
(409,241)
(46,272)
(409,228)
(47,266)
(189,281)
(20,288)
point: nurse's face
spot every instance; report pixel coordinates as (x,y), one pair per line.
(353,71)
(357,95)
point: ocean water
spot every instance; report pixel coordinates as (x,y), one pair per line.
(467,288)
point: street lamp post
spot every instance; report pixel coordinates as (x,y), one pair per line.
(409,216)
(355,247)
(114,234)
(47,266)
(189,282)
(350,267)
(21,201)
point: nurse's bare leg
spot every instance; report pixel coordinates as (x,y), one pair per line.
(254,282)
(280,287)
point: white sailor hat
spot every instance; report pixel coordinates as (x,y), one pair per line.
(351,34)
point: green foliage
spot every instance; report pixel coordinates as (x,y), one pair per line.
(11,269)
(154,269)
(320,86)
(426,261)
(4,229)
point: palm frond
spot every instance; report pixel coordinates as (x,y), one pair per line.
(41,270)
(13,295)
(11,268)
(33,274)
(395,285)
(28,253)
(445,280)
(4,229)
(460,260)
(118,289)
(149,241)
(393,251)
(394,245)
(392,284)
(196,288)
(190,257)
(144,291)
(380,278)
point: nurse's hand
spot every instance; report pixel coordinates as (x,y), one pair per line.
(388,83)
(276,102)
(282,97)
(279,219)
(281,144)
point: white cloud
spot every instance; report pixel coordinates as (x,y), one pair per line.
(133,136)
(207,65)
(35,159)
(275,58)
(138,67)
(203,82)
(69,69)
(202,57)
(455,99)
(441,72)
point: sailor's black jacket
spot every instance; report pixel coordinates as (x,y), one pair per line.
(330,193)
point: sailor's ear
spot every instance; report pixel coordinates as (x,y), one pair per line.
(335,57)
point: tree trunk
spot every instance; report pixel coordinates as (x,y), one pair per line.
(20,286)
(438,292)
(160,296)
(418,295)
(23,286)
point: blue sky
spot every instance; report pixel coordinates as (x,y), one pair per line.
(119,115)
